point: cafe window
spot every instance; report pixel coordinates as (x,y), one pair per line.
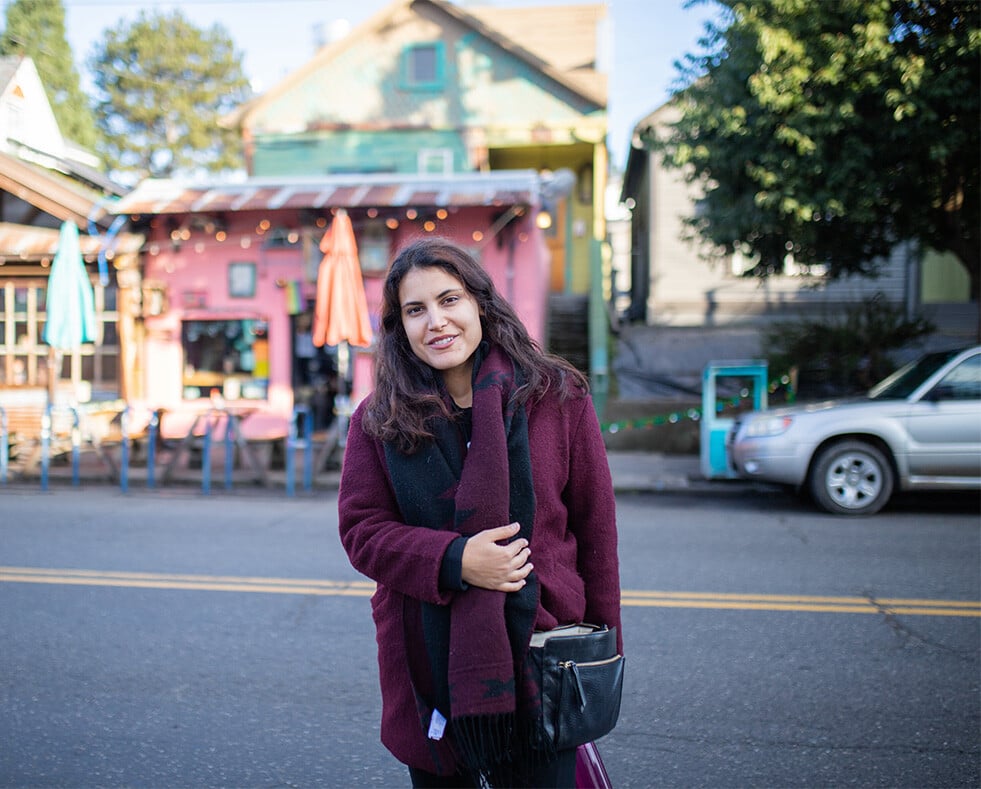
(227,358)
(92,370)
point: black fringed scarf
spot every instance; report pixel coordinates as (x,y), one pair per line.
(476,645)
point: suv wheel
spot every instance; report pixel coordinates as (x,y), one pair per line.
(851,478)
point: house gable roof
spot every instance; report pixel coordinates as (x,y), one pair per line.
(59,196)
(566,37)
(586,85)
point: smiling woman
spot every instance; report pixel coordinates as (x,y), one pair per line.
(475,491)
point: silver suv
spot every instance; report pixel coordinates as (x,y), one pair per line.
(919,429)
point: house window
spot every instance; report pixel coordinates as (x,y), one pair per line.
(422,66)
(92,369)
(436,161)
(374,247)
(241,280)
(226,357)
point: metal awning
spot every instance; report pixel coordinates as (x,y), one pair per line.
(389,190)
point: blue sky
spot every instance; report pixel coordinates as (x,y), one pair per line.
(275,38)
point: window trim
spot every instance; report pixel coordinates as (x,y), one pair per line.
(407,82)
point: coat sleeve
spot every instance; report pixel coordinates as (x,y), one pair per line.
(405,558)
(592,518)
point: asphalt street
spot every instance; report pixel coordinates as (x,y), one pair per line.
(173,639)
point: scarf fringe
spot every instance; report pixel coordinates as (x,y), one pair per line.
(500,749)
(484,742)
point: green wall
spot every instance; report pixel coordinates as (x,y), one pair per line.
(352,152)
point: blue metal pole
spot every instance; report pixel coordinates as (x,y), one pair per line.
(307,453)
(76,446)
(290,452)
(299,440)
(4,447)
(124,450)
(206,458)
(229,450)
(45,445)
(151,450)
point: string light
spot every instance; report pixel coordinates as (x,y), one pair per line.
(217,236)
(694,414)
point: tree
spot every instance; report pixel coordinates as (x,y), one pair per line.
(831,131)
(36,29)
(163,86)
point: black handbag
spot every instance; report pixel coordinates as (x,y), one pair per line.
(580,675)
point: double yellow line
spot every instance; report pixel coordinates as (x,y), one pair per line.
(780,602)
(648,599)
(209,583)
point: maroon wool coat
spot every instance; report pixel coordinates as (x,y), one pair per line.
(573,549)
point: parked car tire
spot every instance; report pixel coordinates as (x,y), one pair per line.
(851,477)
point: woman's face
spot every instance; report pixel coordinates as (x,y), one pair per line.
(442,322)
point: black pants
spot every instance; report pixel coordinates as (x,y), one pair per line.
(558,774)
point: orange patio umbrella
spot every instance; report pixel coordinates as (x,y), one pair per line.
(341,310)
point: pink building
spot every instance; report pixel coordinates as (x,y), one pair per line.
(229,274)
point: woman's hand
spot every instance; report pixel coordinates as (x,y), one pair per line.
(500,568)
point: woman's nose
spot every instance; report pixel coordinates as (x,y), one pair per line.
(436,319)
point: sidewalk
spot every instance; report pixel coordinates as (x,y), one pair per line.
(632,472)
(656,472)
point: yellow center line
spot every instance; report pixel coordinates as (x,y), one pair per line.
(779,602)
(213,583)
(637,598)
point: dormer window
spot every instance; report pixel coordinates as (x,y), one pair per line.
(423,66)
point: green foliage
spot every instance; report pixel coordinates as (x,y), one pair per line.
(36,29)
(164,84)
(833,130)
(845,353)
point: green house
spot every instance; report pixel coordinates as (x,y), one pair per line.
(427,87)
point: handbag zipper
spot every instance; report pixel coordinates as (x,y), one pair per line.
(571,664)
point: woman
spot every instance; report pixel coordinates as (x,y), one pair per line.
(475,491)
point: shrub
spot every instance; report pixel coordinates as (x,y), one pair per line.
(846,353)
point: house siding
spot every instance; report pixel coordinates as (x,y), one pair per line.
(691,284)
(484,87)
(350,151)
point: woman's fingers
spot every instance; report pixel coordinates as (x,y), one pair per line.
(492,565)
(501,533)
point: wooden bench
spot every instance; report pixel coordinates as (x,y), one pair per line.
(24,410)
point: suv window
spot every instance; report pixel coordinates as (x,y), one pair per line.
(961,383)
(906,380)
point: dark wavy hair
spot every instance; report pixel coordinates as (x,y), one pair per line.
(408,392)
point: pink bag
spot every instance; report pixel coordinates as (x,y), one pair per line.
(590,772)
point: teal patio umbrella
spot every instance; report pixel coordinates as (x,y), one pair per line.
(69,304)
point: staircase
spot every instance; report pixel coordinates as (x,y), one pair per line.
(567,328)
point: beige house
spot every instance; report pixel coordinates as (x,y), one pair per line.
(689,304)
